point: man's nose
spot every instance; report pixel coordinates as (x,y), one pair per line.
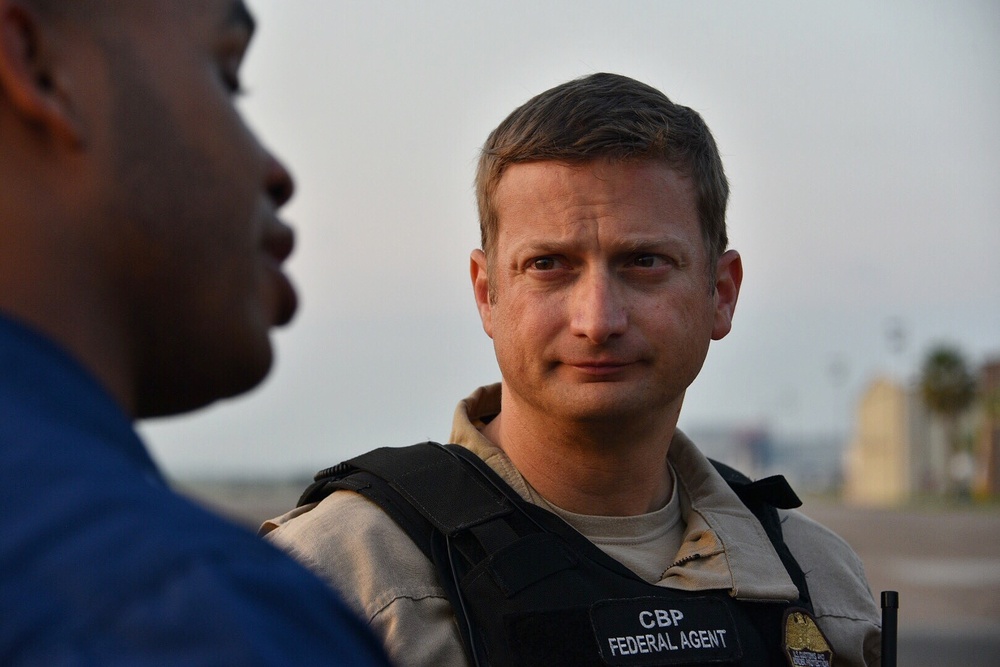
(598,307)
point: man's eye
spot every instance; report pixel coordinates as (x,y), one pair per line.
(543,264)
(647,261)
(229,62)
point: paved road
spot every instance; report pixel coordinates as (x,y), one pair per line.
(944,563)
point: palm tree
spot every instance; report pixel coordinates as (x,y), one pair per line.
(948,389)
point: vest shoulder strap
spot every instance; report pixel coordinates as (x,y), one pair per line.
(423,487)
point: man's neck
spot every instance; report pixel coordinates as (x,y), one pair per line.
(595,469)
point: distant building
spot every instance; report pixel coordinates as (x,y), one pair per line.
(749,449)
(899,450)
(812,464)
(989,432)
(880,466)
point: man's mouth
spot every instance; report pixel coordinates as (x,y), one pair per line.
(599,368)
(286,298)
(278,242)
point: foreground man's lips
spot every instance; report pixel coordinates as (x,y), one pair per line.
(288,299)
(278,243)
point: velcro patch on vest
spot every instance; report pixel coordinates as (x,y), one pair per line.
(655,631)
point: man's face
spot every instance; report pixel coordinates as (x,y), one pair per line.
(603,304)
(193,199)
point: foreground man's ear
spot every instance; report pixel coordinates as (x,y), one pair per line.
(479,271)
(31,83)
(728,278)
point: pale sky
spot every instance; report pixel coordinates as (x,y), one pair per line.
(861,141)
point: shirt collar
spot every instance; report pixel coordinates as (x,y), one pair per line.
(40,378)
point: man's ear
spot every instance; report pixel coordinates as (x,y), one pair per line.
(29,83)
(728,278)
(479,270)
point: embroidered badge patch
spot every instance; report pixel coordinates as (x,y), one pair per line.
(655,631)
(805,644)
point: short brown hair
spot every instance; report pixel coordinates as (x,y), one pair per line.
(607,116)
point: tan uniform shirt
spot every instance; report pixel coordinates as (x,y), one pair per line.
(389,582)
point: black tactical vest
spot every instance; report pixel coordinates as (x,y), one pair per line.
(529,590)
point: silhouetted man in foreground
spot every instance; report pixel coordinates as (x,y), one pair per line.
(140,275)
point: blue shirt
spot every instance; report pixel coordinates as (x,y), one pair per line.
(101,564)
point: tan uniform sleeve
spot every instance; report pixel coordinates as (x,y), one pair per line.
(385,578)
(842,599)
